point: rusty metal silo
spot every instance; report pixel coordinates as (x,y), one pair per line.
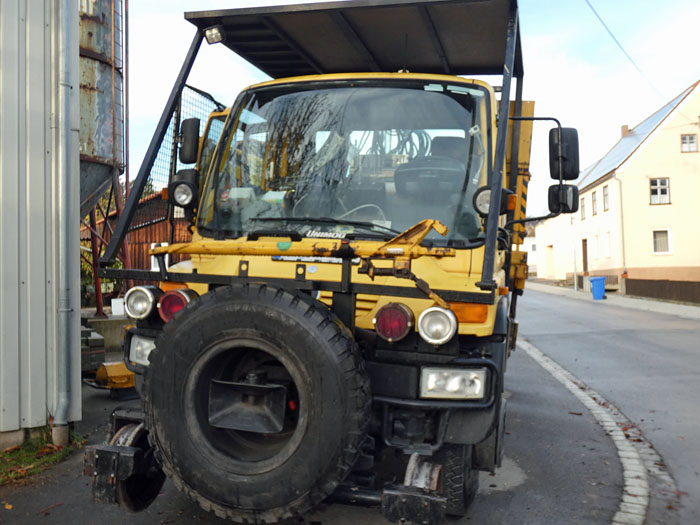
(101,98)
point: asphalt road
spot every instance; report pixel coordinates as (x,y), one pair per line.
(560,466)
(647,364)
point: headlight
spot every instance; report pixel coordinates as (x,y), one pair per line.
(183,189)
(452,383)
(139,349)
(140,301)
(437,325)
(482,200)
(183,194)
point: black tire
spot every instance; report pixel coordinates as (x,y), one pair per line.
(245,476)
(460,482)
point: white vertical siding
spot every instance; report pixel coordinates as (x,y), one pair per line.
(28,214)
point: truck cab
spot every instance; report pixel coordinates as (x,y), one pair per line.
(341,325)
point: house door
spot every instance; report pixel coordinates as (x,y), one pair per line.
(584,254)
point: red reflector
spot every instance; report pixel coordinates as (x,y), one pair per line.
(292,405)
(173,301)
(393,322)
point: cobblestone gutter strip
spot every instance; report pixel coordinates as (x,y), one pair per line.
(638,458)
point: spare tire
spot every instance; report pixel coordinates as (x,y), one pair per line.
(231,333)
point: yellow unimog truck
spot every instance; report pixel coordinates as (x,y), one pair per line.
(340,324)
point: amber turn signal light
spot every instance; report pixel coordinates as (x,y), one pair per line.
(470,312)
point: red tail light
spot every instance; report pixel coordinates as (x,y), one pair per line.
(173,301)
(393,322)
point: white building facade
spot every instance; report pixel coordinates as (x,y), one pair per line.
(635,221)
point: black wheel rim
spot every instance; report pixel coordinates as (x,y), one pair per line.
(231,358)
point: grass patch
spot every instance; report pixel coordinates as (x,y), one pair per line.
(34,455)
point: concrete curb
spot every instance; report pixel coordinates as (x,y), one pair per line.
(648,305)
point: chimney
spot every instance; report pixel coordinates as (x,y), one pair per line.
(625,131)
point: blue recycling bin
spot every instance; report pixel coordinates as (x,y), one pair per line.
(598,287)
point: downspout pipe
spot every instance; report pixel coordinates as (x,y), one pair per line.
(66,202)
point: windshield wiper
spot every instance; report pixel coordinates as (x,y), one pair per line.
(329,220)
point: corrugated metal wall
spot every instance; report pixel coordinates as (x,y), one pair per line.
(28,212)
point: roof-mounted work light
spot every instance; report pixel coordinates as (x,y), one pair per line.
(214,34)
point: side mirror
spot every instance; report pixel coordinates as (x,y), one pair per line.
(563,198)
(183,190)
(189,145)
(568,162)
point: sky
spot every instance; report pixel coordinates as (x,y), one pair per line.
(574,70)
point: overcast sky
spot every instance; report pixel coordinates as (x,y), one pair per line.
(573,68)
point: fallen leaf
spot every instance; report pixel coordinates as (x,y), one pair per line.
(10,449)
(576,413)
(8,506)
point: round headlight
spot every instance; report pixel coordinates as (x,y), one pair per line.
(437,325)
(183,194)
(140,301)
(482,200)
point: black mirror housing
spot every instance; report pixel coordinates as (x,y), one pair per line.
(189,145)
(563,198)
(568,163)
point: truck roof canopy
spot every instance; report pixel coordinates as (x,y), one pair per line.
(456,37)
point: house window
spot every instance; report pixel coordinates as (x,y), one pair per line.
(659,191)
(689,143)
(662,241)
(583,208)
(594,203)
(606,201)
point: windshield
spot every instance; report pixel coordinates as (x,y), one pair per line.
(349,160)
